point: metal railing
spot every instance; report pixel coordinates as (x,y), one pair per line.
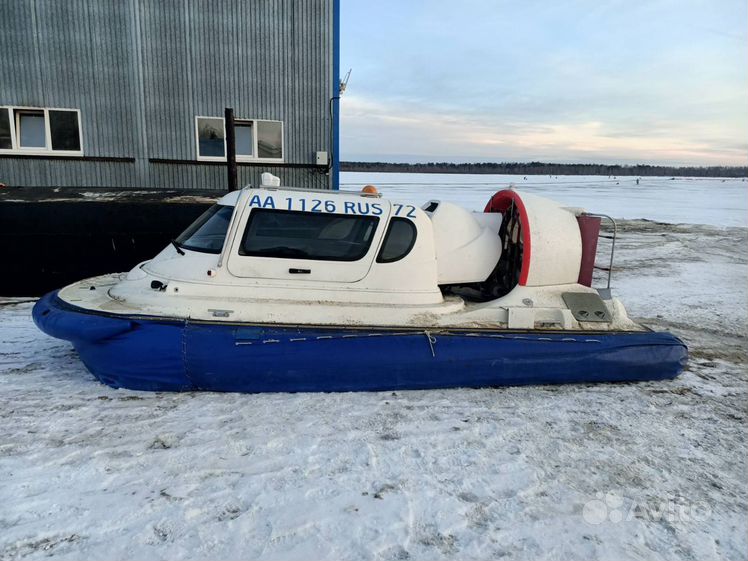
(609,268)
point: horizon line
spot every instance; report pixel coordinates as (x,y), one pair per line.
(537,162)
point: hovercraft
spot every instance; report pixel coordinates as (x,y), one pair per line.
(286,290)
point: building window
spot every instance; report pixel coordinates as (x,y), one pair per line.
(40,131)
(269,139)
(307,235)
(30,129)
(63,130)
(211,138)
(6,138)
(245,139)
(398,241)
(256,140)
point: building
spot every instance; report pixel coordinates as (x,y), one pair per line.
(131,93)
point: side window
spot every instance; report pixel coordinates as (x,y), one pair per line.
(307,235)
(398,241)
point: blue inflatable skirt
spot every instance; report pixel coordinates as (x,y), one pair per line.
(148,353)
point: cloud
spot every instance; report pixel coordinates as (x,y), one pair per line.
(385,131)
(618,82)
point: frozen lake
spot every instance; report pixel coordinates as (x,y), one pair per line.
(713,201)
(651,471)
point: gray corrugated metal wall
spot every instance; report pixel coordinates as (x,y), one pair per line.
(140,71)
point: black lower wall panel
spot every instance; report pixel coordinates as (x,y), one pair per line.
(47,243)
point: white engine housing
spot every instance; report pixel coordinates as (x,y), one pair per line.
(467,244)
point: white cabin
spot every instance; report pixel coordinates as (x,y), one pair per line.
(288,256)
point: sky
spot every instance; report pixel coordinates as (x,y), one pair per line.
(655,81)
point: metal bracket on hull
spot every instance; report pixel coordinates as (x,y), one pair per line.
(587,306)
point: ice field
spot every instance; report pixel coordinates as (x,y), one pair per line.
(646,471)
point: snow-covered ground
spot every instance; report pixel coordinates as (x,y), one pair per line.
(697,200)
(643,471)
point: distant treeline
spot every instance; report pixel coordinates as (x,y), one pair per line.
(540,168)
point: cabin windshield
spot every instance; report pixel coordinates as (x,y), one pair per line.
(208,232)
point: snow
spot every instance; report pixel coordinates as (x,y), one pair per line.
(648,471)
